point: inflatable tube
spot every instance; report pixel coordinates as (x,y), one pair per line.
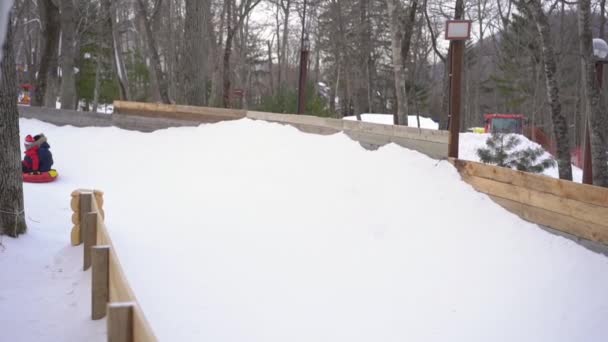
(42,177)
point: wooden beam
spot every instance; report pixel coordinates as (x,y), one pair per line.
(579,210)
(565,189)
(158,110)
(100,281)
(89,230)
(120,322)
(564,223)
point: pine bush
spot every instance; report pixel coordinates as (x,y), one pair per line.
(501,150)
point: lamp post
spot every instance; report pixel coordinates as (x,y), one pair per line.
(457,31)
(600,52)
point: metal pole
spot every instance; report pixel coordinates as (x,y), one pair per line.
(587,158)
(455,95)
(303,65)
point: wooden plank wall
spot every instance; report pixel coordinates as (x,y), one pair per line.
(149,116)
(433,143)
(120,290)
(577,209)
(178,112)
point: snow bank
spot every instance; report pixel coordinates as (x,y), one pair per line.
(387,119)
(251,231)
(470,142)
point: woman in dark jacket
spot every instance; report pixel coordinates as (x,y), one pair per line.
(45,156)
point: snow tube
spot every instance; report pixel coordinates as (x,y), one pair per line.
(42,177)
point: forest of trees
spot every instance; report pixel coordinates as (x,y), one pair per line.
(366,56)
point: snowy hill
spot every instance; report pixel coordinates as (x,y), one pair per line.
(252,231)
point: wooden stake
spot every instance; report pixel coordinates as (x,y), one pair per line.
(85,205)
(120,322)
(90,237)
(100,281)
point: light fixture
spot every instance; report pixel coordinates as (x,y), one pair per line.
(600,49)
(458,29)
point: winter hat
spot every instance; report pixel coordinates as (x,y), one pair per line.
(29,142)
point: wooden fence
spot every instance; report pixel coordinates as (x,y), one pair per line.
(577,209)
(432,143)
(148,116)
(111,293)
(179,112)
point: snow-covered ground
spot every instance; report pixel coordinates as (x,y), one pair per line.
(252,231)
(45,296)
(387,119)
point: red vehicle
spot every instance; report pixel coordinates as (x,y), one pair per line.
(504,123)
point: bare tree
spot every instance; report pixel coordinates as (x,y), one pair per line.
(535,11)
(68,54)
(196,54)
(234,22)
(595,102)
(12,218)
(109,29)
(161,76)
(402,28)
(49,16)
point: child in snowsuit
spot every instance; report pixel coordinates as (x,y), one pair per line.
(38,158)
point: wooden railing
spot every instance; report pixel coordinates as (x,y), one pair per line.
(189,113)
(146,116)
(111,293)
(577,209)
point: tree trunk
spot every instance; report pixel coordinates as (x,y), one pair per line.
(560,126)
(12,218)
(97,84)
(68,54)
(196,52)
(598,123)
(286,6)
(394,9)
(49,16)
(345,59)
(602,19)
(226,69)
(161,77)
(270,69)
(109,30)
(409,19)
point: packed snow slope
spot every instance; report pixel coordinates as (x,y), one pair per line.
(253,231)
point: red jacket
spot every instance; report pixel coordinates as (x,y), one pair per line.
(31,160)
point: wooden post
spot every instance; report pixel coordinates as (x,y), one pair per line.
(100,281)
(455,94)
(85,206)
(120,322)
(90,237)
